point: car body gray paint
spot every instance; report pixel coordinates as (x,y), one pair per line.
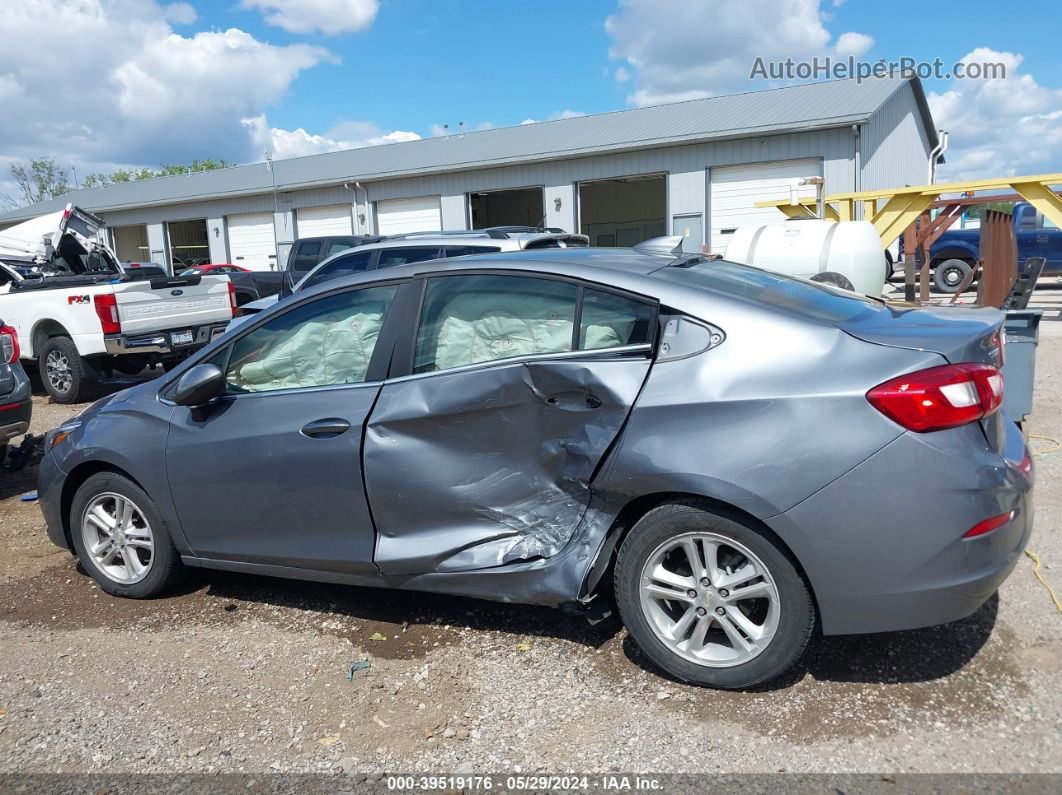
(773,421)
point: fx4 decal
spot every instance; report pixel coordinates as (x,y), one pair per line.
(78,299)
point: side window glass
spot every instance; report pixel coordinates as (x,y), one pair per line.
(464,251)
(390,257)
(337,246)
(325,342)
(611,321)
(306,257)
(470,319)
(343,266)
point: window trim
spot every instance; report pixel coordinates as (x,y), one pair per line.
(379,363)
(405,349)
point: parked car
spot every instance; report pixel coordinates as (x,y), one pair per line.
(742,455)
(213,269)
(78,312)
(956,251)
(16,400)
(397,250)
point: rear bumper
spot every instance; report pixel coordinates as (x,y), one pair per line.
(162,341)
(883,545)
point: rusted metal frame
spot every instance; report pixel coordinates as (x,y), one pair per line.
(967,280)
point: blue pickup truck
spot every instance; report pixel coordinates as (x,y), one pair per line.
(957,250)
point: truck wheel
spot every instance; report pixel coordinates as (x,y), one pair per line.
(67,377)
(949,274)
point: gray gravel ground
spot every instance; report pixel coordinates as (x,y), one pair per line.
(236,673)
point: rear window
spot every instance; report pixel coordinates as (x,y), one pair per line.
(799,296)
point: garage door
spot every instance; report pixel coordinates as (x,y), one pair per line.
(397,216)
(319,221)
(736,189)
(252,242)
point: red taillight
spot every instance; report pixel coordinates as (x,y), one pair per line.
(107,311)
(988,525)
(940,397)
(232,298)
(9,344)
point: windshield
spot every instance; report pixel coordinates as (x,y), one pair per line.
(798,296)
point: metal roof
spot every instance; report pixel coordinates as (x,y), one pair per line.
(791,109)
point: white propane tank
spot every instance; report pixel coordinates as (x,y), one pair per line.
(836,252)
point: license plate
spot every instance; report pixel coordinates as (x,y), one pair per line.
(180,337)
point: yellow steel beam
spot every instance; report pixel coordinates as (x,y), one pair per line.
(805,209)
(796,210)
(1042,198)
(897,214)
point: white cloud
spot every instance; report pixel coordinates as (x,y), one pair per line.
(119,87)
(180,13)
(998,127)
(853,44)
(677,50)
(557,114)
(330,17)
(297,143)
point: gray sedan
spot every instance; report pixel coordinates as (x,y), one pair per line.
(730,456)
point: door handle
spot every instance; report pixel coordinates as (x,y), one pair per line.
(326,428)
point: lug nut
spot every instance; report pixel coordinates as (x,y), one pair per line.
(723,592)
(720,611)
(701,611)
(705,582)
(692,594)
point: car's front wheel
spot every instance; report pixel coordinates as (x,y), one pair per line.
(120,538)
(711,600)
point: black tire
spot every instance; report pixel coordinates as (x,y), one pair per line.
(72,377)
(949,274)
(165,562)
(836,279)
(796,607)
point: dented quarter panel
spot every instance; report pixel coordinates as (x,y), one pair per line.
(490,466)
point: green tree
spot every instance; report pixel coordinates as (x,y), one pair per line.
(39,181)
(978,210)
(165,170)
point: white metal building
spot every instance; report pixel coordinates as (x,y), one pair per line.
(694,168)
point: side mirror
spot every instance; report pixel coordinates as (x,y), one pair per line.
(199,385)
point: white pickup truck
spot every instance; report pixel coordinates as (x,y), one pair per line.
(80,315)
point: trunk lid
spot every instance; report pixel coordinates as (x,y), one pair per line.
(959,334)
(172,304)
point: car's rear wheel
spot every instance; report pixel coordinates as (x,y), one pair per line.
(120,538)
(711,600)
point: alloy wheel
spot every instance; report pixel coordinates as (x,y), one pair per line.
(709,599)
(118,538)
(57,366)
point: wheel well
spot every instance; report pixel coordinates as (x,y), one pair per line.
(77,476)
(962,254)
(42,331)
(600,575)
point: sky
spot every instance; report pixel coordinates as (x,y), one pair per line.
(105,84)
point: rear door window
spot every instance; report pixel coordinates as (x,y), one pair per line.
(481,318)
(338,245)
(608,320)
(344,265)
(390,257)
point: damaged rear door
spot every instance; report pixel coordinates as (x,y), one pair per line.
(484,453)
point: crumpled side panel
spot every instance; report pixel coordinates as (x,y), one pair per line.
(482,468)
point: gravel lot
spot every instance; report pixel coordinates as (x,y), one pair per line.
(236,673)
